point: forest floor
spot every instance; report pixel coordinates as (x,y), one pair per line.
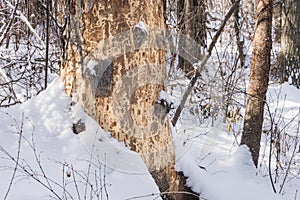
(41,157)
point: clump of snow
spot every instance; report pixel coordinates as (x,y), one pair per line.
(91,66)
(141,25)
(163,95)
(222,177)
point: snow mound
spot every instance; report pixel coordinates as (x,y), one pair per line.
(46,123)
(220,176)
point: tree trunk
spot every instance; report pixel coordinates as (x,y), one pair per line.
(290,42)
(259,78)
(239,40)
(191,17)
(118,83)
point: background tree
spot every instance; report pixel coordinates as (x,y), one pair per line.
(191,20)
(289,57)
(238,35)
(259,78)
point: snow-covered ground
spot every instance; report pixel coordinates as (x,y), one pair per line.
(46,124)
(41,157)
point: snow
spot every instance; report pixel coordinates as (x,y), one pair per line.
(216,168)
(38,135)
(91,66)
(48,120)
(141,25)
(163,95)
(220,176)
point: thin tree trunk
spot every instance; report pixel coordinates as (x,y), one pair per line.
(47,42)
(239,40)
(259,78)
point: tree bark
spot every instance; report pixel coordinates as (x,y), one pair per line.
(289,57)
(121,92)
(259,78)
(239,40)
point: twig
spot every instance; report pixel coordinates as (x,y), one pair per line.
(290,163)
(100,179)
(47,43)
(75,182)
(63,181)
(83,177)
(88,174)
(270,152)
(38,161)
(20,132)
(104,178)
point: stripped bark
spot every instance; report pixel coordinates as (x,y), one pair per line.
(121,92)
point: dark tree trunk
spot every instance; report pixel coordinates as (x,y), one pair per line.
(239,40)
(290,42)
(259,78)
(47,42)
(191,16)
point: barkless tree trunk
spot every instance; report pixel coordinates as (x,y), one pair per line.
(120,90)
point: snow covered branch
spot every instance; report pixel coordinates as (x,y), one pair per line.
(21,16)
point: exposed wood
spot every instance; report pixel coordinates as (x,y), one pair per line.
(121,92)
